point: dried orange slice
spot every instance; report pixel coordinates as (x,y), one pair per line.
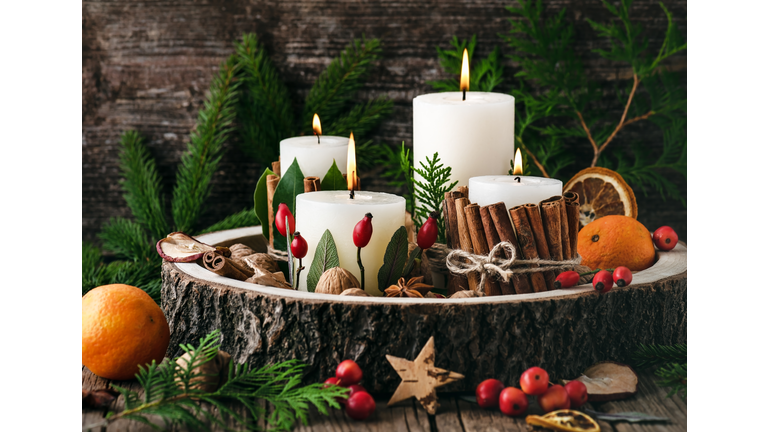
(602,192)
(565,421)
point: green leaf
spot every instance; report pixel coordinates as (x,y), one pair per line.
(326,257)
(334,179)
(416,254)
(290,185)
(394,259)
(260,202)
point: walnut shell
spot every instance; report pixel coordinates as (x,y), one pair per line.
(355,292)
(262,260)
(335,281)
(467,294)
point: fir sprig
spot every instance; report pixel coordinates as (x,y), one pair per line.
(168,391)
(430,191)
(671,362)
(485,75)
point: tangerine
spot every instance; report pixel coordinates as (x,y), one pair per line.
(122,329)
(614,241)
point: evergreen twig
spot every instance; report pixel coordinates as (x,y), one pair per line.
(671,362)
(430,192)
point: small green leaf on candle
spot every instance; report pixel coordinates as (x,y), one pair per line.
(394,259)
(290,185)
(334,179)
(326,257)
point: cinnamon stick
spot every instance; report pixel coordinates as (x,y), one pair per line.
(465,241)
(492,238)
(449,214)
(272,181)
(551,217)
(276,166)
(529,244)
(480,244)
(463,190)
(500,216)
(572,209)
(223,266)
(311,184)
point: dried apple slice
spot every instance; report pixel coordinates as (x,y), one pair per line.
(608,381)
(179,247)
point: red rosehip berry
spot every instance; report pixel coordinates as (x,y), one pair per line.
(566,279)
(554,398)
(577,392)
(355,388)
(282,212)
(622,276)
(603,281)
(534,381)
(331,381)
(665,238)
(349,373)
(487,393)
(298,246)
(513,402)
(360,405)
(427,235)
(361,235)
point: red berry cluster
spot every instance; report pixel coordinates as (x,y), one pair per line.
(360,405)
(512,401)
(602,281)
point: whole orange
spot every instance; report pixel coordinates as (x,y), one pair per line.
(122,329)
(613,241)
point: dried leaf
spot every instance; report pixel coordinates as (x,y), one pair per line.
(100,398)
(632,417)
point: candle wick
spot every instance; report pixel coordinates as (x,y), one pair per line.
(463,95)
(351,194)
(318,138)
(518,179)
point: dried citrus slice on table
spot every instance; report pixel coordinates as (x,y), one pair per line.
(565,421)
(602,192)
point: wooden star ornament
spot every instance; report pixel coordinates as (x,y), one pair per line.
(420,378)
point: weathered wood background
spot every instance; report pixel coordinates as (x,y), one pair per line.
(148,64)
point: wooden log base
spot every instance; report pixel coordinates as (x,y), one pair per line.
(563,331)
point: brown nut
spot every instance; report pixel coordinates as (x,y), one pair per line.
(335,281)
(467,294)
(355,292)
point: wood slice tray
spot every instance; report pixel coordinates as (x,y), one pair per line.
(563,331)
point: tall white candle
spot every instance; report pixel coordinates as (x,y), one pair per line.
(474,137)
(314,159)
(335,211)
(487,190)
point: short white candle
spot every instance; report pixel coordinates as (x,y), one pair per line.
(474,137)
(335,211)
(487,190)
(314,159)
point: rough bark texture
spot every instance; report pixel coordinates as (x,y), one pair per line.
(147,66)
(500,340)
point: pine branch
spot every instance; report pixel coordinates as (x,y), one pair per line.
(198,164)
(430,192)
(168,392)
(337,85)
(647,356)
(485,75)
(676,376)
(127,239)
(264,107)
(362,118)
(243,218)
(141,184)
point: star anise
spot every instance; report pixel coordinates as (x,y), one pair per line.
(414,288)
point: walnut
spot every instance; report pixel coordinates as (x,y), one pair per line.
(467,294)
(335,281)
(355,292)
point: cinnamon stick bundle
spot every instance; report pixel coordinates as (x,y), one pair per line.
(465,241)
(311,184)
(492,239)
(542,247)
(224,266)
(520,281)
(272,181)
(480,244)
(527,241)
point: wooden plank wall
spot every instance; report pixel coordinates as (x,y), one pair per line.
(148,64)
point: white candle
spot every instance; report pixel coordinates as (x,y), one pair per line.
(314,159)
(474,137)
(487,190)
(335,211)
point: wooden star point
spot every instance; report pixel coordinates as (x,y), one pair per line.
(420,378)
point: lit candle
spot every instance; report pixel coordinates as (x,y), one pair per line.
(473,132)
(314,154)
(339,212)
(513,190)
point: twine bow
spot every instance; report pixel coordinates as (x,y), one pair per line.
(462,263)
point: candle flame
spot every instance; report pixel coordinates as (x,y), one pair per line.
(316,125)
(352,178)
(518,170)
(464,83)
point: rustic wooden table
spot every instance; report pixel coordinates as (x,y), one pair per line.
(454,414)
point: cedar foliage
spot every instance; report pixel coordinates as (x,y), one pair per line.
(670,362)
(558,106)
(168,391)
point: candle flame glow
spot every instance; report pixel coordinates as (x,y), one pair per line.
(518,170)
(464,82)
(316,125)
(352,178)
